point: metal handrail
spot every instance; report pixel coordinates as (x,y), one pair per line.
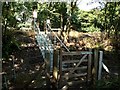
(58,38)
(37,27)
(47,44)
(43,39)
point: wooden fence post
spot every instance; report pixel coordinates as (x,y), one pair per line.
(60,68)
(89,66)
(100,65)
(95,64)
(54,40)
(47,58)
(5,85)
(55,63)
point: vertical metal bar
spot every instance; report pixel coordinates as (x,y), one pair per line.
(51,59)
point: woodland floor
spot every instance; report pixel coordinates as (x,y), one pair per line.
(28,65)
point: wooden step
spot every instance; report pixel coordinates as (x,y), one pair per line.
(76,53)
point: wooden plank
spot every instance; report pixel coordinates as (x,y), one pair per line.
(56,29)
(70,70)
(73,61)
(78,68)
(79,63)
(76,53)
(74,75)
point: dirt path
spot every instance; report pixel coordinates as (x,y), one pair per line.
(27,65)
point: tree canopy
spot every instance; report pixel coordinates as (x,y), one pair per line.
(19,14)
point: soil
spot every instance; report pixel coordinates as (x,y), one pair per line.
(28,65)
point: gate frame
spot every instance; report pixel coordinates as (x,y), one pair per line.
(85,54)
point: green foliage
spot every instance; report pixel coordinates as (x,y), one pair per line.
(75,20)
(101,20)
(14,15)
(113,23)
(10,44)
(52,10)
(108,83)
(89,21)
(112,12)
(9,22)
